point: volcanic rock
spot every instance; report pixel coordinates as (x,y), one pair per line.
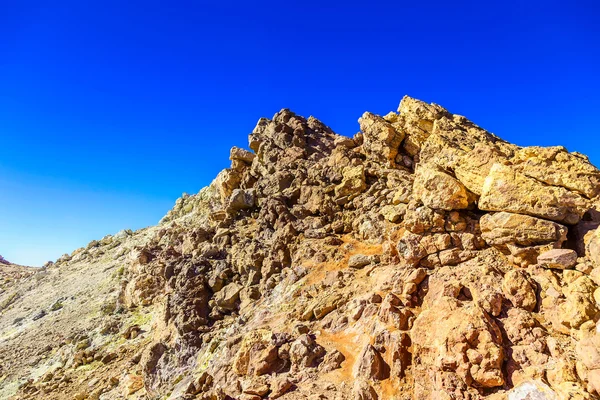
(424,258)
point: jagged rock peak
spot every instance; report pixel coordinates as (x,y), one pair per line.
(423,258)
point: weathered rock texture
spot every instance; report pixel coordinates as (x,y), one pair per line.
(424,258)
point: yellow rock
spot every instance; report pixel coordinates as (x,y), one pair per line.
(439,190)
(506,189)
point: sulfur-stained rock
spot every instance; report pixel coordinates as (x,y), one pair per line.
(394,213)
(353,182)
(579,305)
(557,167)
(506,189)
(257,354)
(474,166)
(132,384)
(446,335)
(263,284)
(227,181)
(439,190)
(417,119)
(321,306)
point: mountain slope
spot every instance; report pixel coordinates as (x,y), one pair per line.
(425,258)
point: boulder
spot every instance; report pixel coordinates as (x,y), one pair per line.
(578,305)
(241,199)
(502,228)
(588,351)
(558,258)
(522,236)
(519,290)
(353,182)
(369,365)
(381,139)
(531,390)
(555,166)
(227,297)
(226,182)
(257,355)
(507,189)
(474,166)
(280,385)
(305,352)
(358,261)
(416,119)
(332,361)
(239,154)
(439,190)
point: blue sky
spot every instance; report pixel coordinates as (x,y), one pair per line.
(110,110)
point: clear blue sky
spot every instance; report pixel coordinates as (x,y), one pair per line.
(109,110)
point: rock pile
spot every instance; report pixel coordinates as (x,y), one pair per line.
(423,258)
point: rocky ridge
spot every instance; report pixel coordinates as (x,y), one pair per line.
(424,258)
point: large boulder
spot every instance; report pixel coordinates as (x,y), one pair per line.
(502,228)
(416,120)
(522,236)
(507,189)
(557,167)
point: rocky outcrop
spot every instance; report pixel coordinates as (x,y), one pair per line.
(423,258)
